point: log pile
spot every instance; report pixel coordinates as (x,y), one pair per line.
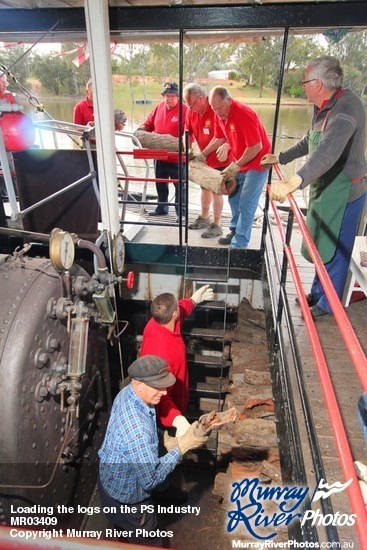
(248,449)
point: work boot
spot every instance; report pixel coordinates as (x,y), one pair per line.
(228,238)
(311,300)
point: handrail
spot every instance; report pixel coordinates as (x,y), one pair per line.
(354,348)
(345,456)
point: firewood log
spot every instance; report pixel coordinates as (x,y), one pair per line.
(151,140)
(201,174)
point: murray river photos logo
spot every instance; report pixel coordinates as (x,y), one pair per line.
(260,509)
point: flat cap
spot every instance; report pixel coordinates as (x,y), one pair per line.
(153,371)
(170,88)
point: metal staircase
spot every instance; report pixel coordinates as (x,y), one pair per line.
(208,351)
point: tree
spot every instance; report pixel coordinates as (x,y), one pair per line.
(351,50)
(199,59)
(260,61)
(20,70)
(52,72)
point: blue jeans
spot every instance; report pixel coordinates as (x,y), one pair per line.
(338,267)
(243,203)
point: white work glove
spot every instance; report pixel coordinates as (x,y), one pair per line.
(181,425)
(204,293)
(222,152)
(268,160)
(229,173)
(191,441)
(169,442)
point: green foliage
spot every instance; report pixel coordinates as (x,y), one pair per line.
(259,61)
(352,52)
(20,70)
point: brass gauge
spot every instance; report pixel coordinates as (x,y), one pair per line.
(118,254)
(62,249)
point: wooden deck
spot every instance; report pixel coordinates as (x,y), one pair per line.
(347,387)
(346,383)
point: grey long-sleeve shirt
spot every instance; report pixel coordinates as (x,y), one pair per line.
(342,147)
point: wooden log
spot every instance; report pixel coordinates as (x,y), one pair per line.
(151,140)
(201,174)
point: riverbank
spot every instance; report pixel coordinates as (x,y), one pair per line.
(148,89)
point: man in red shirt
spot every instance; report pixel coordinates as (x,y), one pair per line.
(84,111)
(242,128)
(200,125)
(164,119)
(6,96)
(162,337)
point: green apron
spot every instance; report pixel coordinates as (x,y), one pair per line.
(327,202)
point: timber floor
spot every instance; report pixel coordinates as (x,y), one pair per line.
(346,383)
(347,388)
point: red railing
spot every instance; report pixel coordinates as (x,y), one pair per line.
(353,346)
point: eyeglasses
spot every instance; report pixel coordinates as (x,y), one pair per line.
(193,105)
(307,81)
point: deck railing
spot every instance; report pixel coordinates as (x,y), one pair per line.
(352,344)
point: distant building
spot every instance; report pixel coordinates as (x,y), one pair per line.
(222,74)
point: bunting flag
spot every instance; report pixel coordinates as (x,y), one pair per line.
(62,54)
(13,44)
(78,61)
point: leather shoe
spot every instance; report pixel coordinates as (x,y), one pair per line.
(311,300)
(317,311)
(228,238)
(158,213)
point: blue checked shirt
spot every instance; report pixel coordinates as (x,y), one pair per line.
(129,464)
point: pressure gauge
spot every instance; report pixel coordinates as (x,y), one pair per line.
(118,254)
(62,249)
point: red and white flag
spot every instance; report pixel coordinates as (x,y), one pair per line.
(81,58)
(62,54)
(85,55)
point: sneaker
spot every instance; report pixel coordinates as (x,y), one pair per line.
(200,223)
(212,231)
(228,238)
(178,219)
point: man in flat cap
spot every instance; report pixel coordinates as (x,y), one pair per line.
(130,466)
(164,119)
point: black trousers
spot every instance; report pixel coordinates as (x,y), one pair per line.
(141,519)
(169,170)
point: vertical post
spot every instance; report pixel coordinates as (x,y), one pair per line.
(275,128)
(97,22)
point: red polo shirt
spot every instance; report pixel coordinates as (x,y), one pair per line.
(83,113)
(201,129)
(243,129)
(164,121)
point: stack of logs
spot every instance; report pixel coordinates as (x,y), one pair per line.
(248,449)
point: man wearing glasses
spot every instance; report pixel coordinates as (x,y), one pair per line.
(200,125)
(240,126)
(335,170)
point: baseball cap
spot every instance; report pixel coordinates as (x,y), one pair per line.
(170,88)
(153,371)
